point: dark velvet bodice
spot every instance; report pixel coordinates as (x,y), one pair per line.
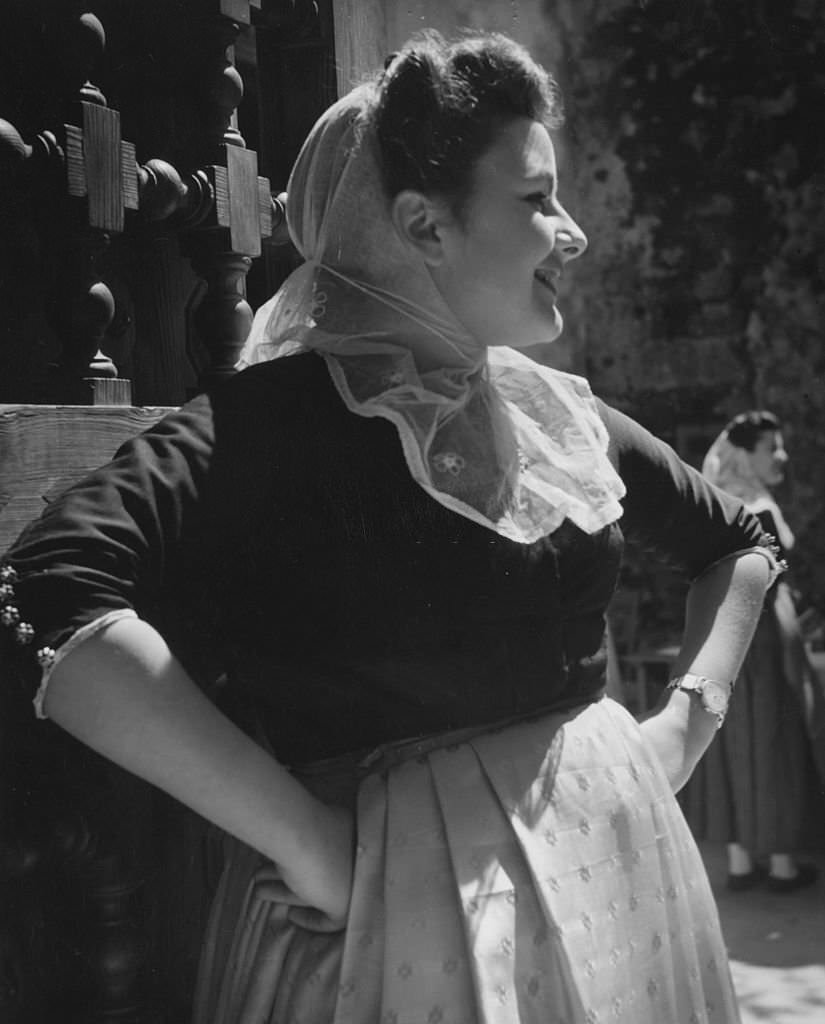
(278,540)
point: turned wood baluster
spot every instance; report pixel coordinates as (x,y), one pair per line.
(222,251)
(224,91)
(82,160)
(82,306)
(223,316)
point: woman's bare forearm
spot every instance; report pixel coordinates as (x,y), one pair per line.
(723,607)
(124,694)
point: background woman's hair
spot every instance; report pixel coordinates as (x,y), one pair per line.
(440,104)
(745,429)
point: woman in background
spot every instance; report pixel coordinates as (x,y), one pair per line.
(397,545)
(753,786)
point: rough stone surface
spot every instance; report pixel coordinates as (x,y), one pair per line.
(693,156)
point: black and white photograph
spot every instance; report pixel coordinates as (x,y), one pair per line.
(412,512)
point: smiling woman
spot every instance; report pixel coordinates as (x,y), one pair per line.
(396,546)
(499,264)
(473,185)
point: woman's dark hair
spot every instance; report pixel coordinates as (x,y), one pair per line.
(745,429)
(440,104)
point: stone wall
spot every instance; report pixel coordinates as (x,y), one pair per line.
(695,134)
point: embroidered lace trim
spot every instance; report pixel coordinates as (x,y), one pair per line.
(767,547)
(50,663)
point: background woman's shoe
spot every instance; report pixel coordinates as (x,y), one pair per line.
(747,880)
(806,874)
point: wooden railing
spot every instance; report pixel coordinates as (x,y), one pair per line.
(84,188)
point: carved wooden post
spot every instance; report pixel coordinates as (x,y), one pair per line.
(223,317)
(82,307)
(78,179)
(222,251)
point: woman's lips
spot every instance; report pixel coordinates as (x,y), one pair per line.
(548,279)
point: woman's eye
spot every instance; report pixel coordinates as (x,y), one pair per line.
(541,200)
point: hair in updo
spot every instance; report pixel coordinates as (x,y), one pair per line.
(745,429)
(439,106)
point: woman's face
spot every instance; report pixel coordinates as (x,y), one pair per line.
(503,260)
(768,458)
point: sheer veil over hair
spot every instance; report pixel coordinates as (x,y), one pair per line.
(729,467)
(490,434)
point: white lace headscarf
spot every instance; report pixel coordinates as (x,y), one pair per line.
(490,434)
(730,467)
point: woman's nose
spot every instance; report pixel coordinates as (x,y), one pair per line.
(571,241)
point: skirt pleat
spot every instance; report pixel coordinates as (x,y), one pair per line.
(361,984)
(426,967)
(538,874)
(519,964)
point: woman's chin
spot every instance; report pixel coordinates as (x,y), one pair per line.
(531,334)
(552,332)
(543,333)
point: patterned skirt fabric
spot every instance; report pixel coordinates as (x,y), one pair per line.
(537,874)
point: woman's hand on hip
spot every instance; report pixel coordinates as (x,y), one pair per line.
(124,693)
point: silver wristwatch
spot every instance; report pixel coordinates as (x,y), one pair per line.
(715,696)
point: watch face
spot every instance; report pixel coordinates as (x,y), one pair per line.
(715,697)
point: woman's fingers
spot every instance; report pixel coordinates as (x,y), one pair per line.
(277,892)
(314,920)
(271,888)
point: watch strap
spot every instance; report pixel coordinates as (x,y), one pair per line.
(714,695)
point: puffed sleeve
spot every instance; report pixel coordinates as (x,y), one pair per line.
(100,550)
(671,508)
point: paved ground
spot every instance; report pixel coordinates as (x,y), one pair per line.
(776,945)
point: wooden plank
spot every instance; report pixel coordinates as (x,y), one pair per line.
(102,156)
(244,223)
(44,449)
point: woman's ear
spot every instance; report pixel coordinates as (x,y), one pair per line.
(421,223)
